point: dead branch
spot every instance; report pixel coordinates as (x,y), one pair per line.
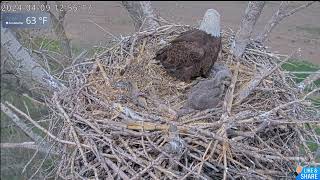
(142,14)
(227,105)
(242,38)
(229,97)
(73,131)
(28,145)
(26,66)
(40,127)
(282,12)
(24,127)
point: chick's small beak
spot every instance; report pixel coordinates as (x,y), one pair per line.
(227,81)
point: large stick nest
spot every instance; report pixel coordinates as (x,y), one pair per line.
(120,120)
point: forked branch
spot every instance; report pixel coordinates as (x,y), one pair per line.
(246,27)
(277,17)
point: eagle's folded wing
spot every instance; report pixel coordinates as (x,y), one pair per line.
(189,55)
(190,36)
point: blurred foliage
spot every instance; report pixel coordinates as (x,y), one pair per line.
(45,43)
(14,160)
(296,65)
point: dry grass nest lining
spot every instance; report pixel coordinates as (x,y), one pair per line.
(119,113)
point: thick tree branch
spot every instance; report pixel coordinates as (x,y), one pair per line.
(41,143)
(49,134)
(27,145)
(281,13)
(248,21)
(142,14)
(27,67)
(20,123)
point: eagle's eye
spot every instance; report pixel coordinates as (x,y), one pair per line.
(226,80)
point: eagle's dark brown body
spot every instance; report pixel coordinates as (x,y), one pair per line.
(190,55)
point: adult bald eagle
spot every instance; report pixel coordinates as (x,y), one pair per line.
(193,52)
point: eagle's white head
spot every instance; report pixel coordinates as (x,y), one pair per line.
(211,23)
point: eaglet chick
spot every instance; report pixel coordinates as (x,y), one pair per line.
(208,93)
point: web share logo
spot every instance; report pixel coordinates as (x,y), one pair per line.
(307,173)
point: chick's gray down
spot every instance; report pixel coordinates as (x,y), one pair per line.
(208,93)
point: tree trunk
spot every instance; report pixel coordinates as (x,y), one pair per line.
(26,66)
(281,13)
(248,21)
(142,14)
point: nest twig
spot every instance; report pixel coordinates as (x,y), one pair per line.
(120,112)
